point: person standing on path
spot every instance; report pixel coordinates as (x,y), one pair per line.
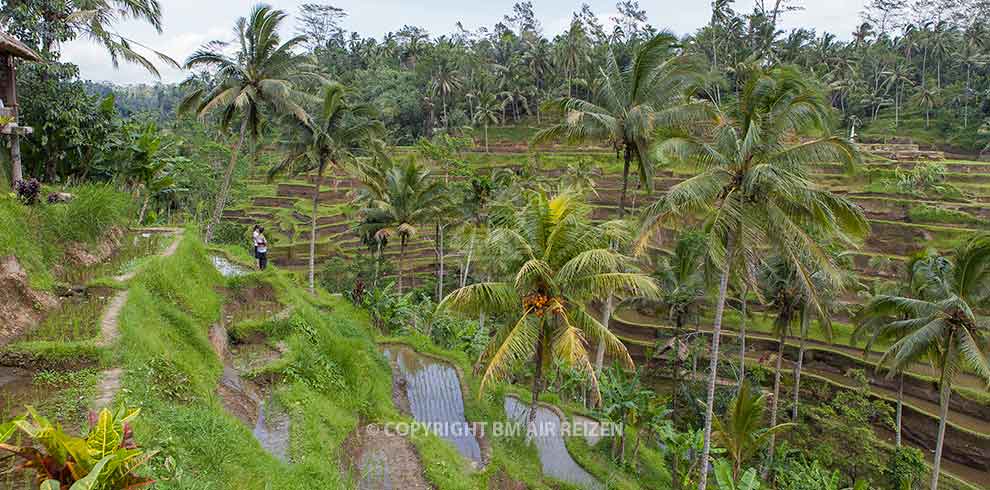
(254,239)
(261,249)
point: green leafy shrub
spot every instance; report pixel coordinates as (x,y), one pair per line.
(231,233)
(106,458)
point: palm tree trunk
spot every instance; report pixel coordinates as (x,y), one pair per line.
(945,392)
(378,264)
(774,402)
(900,406)
(674,405)
(713,374)
(606,318)
(800,363)
(402,260)
(312,235)
(442,271)
(486,136)
(537,382)
(627,158)
(225,187)
(144,208)
(742,339)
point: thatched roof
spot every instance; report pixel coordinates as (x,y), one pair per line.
(10,45)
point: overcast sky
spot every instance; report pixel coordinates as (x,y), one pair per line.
(190,23)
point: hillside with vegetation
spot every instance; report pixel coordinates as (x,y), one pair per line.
(743,258)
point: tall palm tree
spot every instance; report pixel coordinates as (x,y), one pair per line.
(396,199)
(630,104)
(558,262)
(755,188)
(487,112)
(335,136)
(257,76)
(572,52)
(946,324)
(928,96)
(683,282)
(872,322)
(445,80)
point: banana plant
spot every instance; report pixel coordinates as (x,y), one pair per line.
(105,458)
(724,476)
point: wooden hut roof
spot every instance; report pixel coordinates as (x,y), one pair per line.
(10,45)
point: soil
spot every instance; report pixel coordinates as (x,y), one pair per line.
(383,461)
(20,305)
(83,255)
(502,481)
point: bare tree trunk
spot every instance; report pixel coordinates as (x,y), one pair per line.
(486,136)
(742,339)
(627,158)
(713,374)
(402,260)
(225,187)
(800,364)
(312,237)
(606,318)
(945,392)
(537,381)
(16,170)
(900,407)
(440,264)
(144,208)
(774,403)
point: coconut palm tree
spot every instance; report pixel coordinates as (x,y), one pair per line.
(335,136)
(445,81)
(558,263)
(944,324)
(929,97)
(872,322)
(755,189)
(683,283)
(397,198)
(630,104)
(740,431)
(487,112)
(257,76)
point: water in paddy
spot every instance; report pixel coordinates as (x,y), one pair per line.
(556,460)
(434,392)
(226,267)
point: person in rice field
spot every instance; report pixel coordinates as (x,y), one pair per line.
(261,248)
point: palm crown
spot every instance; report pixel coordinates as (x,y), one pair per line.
(631,103)
(559,262)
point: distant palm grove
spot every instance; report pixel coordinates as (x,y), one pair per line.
(758,257)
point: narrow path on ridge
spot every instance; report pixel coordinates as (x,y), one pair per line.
(109,383)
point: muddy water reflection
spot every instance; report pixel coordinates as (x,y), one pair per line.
(434,392)
(226,267)
(556,460)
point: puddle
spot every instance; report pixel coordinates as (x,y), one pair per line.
(556,460)
(17,389)
(228,268)
(248,402)
(433,390)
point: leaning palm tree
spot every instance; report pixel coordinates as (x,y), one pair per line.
(755,189)
(558,263)
(945,323)
(396,198)
(630,104)
(257,76)
(335,136)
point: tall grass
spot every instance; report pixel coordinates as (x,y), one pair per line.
(37,235)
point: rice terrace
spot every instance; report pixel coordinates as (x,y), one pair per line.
(726,245)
